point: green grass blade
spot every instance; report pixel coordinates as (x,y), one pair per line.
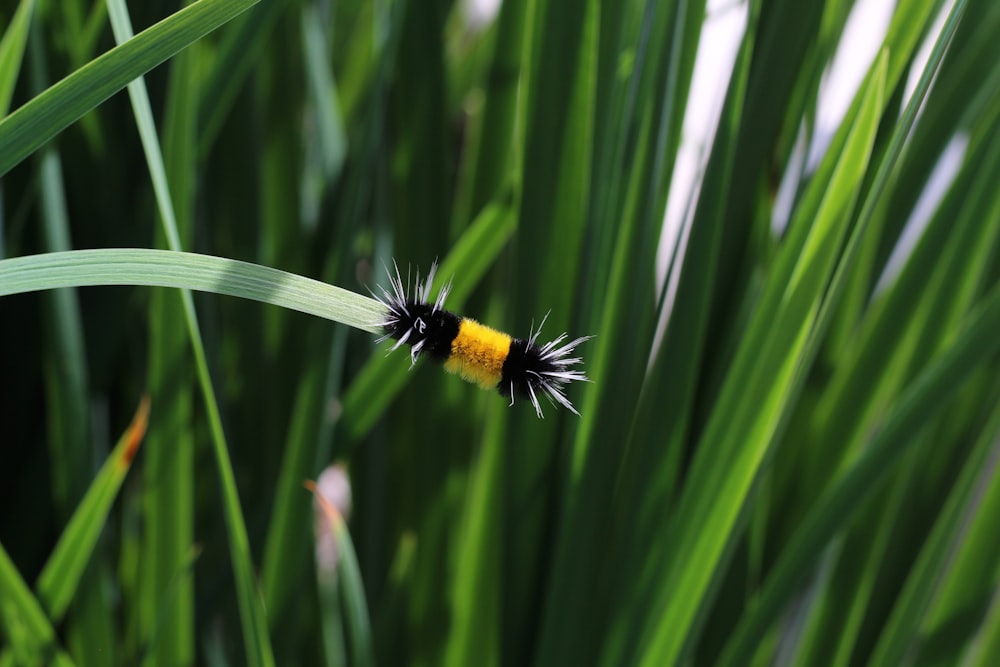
(332,617)
(25,625)
(351,585)
(121,23)
(241,47)
(844,617)
(168,608)
(962,595)
(889,166)
(535,151)
(67,384)
(308,441)
(985,651)
(954,269)
(356,607)
(38,121)
(67,375)
(909,319)
(782,69)
(923,399)
(184,270)
(331,140)
(12,51)
(557,156)
(284,548)
(493,144)
(901,634)
(476,596)
(624,334)
(757,393)
(421,193)
(89,634)
(61,575)
(963,87)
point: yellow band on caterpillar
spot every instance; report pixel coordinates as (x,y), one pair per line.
(478,353)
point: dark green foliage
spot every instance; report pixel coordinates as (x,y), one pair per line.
(779,459)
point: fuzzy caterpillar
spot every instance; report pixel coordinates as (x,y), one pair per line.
(490,358)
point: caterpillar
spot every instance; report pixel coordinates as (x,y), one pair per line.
(478,354)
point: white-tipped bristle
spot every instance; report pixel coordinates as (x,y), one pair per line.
(534,401)
(442,295)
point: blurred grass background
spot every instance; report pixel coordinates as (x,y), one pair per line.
(788,451)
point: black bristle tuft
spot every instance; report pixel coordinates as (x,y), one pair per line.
(531,369)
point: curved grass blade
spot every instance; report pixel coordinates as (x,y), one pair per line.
(200,272)
(185,270)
